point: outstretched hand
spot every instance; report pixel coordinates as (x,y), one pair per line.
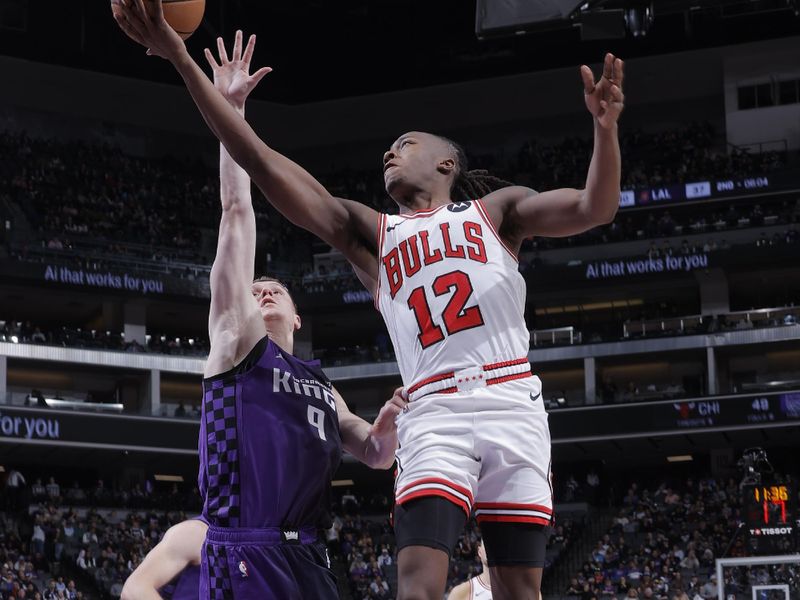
(385,422)
(232,76)
(144,23)
(604,98)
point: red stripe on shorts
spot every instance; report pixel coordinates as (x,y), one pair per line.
(512,519)
(513,506)
(438,480)
(505,378)
(427,493)
(506,363)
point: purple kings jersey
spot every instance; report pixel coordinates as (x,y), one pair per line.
(185,587)
(269,443)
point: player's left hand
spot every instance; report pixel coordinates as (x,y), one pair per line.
(232,76)
(385,422)
(146,25)
(604,98)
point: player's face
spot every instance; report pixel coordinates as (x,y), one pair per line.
(275,303)
(414,161)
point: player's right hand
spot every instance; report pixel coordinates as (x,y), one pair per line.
(144,23)
(232,76)
(385,421)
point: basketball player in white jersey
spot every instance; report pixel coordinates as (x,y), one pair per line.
(444,275)
(475,588)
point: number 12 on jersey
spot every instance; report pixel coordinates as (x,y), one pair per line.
(455,317)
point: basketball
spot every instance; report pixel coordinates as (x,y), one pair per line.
(184,16)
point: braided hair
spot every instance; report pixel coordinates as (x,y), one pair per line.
(470,185)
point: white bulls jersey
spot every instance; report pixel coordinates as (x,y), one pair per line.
(478,589)
(450,291)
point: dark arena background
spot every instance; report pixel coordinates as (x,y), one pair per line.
(667,341)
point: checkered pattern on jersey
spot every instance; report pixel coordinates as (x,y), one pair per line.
(219,575)
(223,500)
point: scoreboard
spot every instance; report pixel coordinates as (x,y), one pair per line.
(770,517)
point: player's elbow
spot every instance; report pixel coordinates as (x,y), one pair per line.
(607,217)
(135,589)
(599,210)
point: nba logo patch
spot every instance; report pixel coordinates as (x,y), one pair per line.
(243,568)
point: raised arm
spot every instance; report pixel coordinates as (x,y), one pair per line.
(374,445)
(349,227)
(234,322)
(180,548)
(520,212)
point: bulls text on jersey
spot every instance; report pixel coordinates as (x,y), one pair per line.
(425,248)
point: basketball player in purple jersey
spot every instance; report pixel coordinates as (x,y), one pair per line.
(475,437)
(171,570)
(272,427)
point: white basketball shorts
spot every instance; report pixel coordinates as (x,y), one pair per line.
(486,449)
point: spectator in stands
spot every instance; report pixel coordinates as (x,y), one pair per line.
(15,481)
(630,392)
(571,488)
(379,588)
(593,485)
(690,563)
(38,537)
(608,390)
(53,490)
(709,589)
(90,537)
(574,588)
(38,491)
(85,560)
(385,559)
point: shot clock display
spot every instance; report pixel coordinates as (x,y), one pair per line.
(770,516)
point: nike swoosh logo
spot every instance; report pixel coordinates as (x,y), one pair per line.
(388,229)
(536,397)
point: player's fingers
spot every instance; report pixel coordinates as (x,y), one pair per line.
(608,66)
(616,94)
(260,74)
(128,30)
(223,53)
(400,401)
(393,410)
(588,79)
(210,58)
(248,51)
(141,11)
(130,11)
(131,27)
(237,46)
(619,71)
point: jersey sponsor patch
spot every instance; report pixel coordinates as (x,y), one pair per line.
(457,207)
